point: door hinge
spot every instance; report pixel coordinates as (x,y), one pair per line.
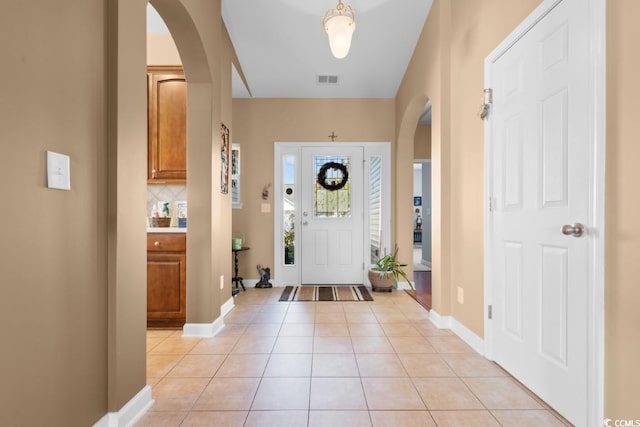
(490,312)
(492,204)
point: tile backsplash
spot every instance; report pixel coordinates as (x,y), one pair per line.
(165,193)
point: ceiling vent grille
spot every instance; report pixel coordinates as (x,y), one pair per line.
(326,80)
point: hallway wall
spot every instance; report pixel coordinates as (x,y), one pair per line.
(53,263)
(622,292)
(258,123)
(73,263)
(474,31)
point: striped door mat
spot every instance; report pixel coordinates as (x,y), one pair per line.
(326,293)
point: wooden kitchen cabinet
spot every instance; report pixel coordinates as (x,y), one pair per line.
(166,279)
(167,119)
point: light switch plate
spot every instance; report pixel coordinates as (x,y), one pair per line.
(58,171)
(265,207)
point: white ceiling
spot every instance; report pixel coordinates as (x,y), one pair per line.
(282,47)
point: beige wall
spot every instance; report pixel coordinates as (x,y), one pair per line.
(258,123)
(53,263)
(73,263)
(422,142)
(126,248)
(223,218)
(427,78)
(161,50)
(622,292)
(471,40)
(452,75)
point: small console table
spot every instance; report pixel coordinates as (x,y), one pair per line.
(237,280)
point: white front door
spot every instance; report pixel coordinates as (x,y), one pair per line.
(539,155)
(332,221)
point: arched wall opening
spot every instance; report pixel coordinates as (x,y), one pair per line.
(404,176)
(199,45)
(421,209)
(201,132)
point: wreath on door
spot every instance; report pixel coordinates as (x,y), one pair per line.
(333,184)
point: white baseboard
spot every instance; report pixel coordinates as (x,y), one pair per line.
(227,307)
(202,330)
(466,334)
(442,322)
(208,330)
(404,285)
(130,413)
(250,283)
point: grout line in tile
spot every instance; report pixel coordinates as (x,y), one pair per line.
(388,303)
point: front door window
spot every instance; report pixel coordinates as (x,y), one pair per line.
(332,189)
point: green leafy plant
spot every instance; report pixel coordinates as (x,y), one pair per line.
(289,237)
(389,264)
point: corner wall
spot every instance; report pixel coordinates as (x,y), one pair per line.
(127,225)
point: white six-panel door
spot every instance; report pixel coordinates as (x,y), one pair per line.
(540,167)
(332,222)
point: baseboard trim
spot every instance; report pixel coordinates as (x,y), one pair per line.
(468,336)
(130,413)
(465,334)
(202,330)
(442,322)
(250,283)
(208,330)
(404,285)
(227,307)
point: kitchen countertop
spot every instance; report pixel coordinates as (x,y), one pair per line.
(166,229)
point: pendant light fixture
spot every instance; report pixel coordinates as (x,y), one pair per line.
(339,23)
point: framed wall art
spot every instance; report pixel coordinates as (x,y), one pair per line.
(236,203)
(224,159)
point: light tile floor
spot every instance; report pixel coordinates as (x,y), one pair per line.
(380,363)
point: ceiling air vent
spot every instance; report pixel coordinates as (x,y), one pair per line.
(326,79)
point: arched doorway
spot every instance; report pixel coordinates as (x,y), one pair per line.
(404,211)
(422,258)
(127,182)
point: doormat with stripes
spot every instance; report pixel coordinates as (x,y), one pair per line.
(326,293)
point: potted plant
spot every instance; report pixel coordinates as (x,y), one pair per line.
(384,276)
